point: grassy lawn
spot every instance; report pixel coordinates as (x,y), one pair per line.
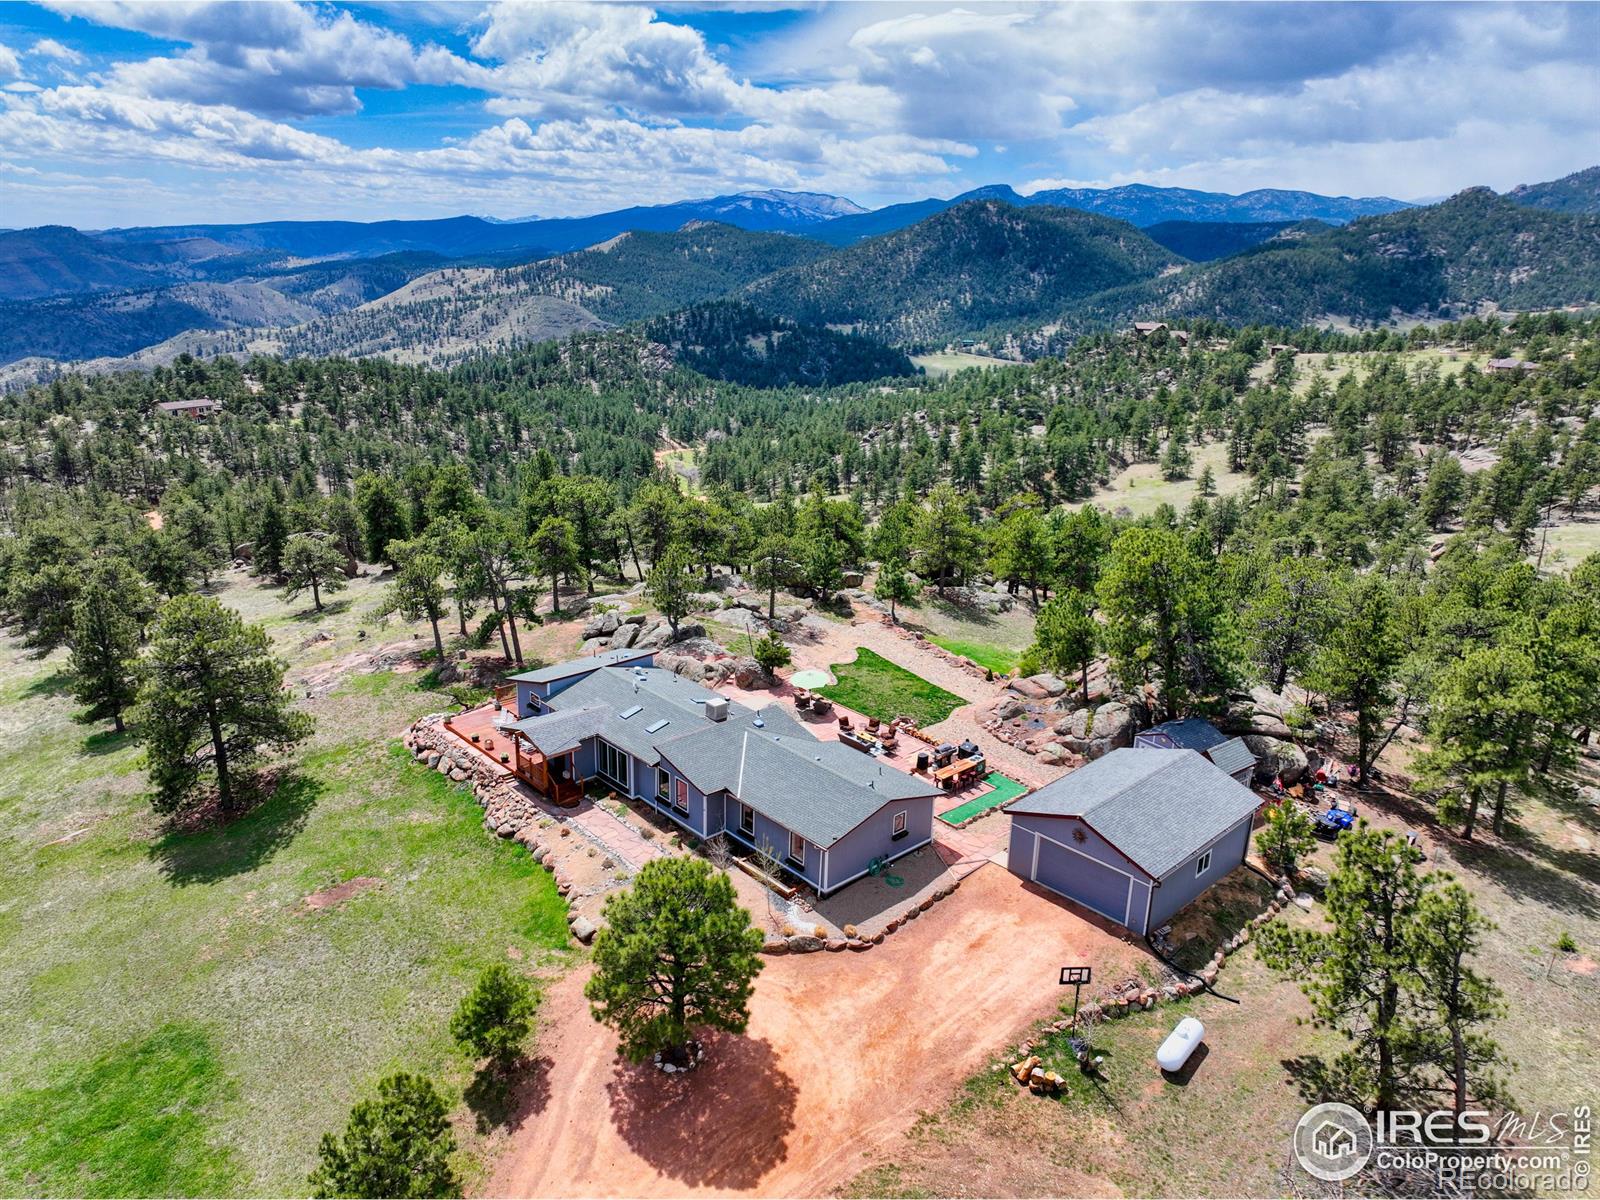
(1141,490)
(949,362)
(177,1020)
(997,658)
(875,686)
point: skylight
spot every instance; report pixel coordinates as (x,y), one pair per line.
(656,726)
(630,712)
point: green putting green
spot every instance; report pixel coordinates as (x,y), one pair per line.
(1005,789)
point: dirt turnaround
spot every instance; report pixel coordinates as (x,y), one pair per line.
(843,1051)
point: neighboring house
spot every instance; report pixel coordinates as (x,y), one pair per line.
(195,410)
(1135,835)
(1231,754)
(825,812)
(1510,366)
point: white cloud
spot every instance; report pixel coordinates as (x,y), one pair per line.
(50,48)
(271,57)
(10,64)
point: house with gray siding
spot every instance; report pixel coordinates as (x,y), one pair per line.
(1231,754)
(1134,836)
(825,812)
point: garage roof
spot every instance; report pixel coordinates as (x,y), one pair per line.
(1157,807)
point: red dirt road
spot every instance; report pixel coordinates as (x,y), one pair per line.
(842,1053)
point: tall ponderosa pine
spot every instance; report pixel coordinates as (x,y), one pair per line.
(776,564)
(1359,658)
(212,699)
(107,621)
(676,954)
(1359,973)
(1165,621)
(893,585)
(384,516)
(668,587)
(417,591)
(1066,636)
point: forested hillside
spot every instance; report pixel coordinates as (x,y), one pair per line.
(976,265)
(729,340)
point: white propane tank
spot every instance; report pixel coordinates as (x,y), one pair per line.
(1180,1044)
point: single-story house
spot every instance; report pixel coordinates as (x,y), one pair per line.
(825,812)
(1231,754)
(1135,835)
(195,410)
(1510,366)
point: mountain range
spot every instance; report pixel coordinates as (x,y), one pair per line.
(995,261)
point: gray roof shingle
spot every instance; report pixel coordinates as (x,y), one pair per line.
(796,782)
(578,666)
(1158,807)
(557,732)
(658,695)
(1232,756)
(1191,733)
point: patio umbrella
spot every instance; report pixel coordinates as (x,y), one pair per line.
(811,678)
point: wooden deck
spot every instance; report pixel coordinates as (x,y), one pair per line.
(509,755)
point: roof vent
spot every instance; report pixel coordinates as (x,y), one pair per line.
(717,708)
(758,722)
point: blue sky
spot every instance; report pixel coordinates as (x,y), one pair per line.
(122,112)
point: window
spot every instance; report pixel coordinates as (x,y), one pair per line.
(682,804)
(747,820)
(663,784)
(1203,863)
(613,763)
(797,850)
(899,826)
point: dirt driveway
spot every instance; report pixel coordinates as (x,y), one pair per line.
(843,1052)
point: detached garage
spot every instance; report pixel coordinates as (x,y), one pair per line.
(1135,835)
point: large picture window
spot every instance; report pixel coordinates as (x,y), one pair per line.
(613,764)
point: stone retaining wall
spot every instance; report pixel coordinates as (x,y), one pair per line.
(810,943)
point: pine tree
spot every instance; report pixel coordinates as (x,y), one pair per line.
(311,562)
(555,551)
(893,585)
(1357,663)
(382,508)
(397,1144)
(211,700)
(1066,636)
(105,640)
(668,586)
(493,1020)
(676,954)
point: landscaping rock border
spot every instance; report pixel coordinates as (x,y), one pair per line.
(811,943)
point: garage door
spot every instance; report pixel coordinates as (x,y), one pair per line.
(1080,878)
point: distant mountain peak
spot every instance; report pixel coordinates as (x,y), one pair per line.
(819,203)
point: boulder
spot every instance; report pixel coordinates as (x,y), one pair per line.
(775,945)
(1277,758)
(747,673)
(851,579)
(601,625)
(804,943)
(1052,685)
(1053,754)
(584,930)
(624,636)
(1008,707)
(591,646)
(1096,732)
(1027,689)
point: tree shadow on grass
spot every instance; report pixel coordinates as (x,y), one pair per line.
(192,852)
(507,1101)
(724,1125)
(330,608)
(1320,1080)
(57,683)
(1532,869)
(107,741)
